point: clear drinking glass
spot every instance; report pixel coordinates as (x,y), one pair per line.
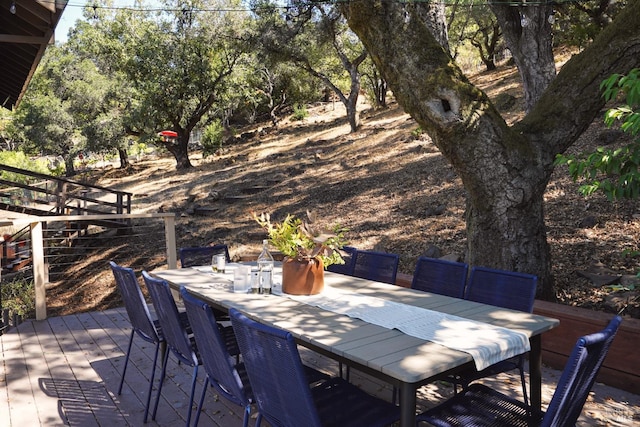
(218,263)
(241,279)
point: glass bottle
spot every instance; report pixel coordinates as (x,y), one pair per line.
(265,265)
(265,259)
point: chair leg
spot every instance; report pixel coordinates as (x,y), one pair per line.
(247,415)
(126,360)
(204,393)
(153,374)
(193,391)
(162,375)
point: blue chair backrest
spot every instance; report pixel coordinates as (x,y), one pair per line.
(578,376)
(172,328)
(280,386)
(217,362)
(195,256)
(440,277)
(349,256)
(134,303)
(377,266)
(507,289)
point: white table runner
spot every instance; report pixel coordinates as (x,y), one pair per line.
(486,343)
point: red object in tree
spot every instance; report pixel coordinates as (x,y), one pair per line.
(168,133)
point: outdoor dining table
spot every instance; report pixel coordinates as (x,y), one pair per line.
(402,360)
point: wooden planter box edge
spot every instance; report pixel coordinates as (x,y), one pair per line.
(620,369)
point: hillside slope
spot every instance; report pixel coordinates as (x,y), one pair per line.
(387,183)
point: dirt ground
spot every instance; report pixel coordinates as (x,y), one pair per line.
(387,183)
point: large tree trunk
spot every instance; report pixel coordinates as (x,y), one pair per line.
(179,149)
(527,33)
(68,163)
(504,169)
(124,158)
(351,103)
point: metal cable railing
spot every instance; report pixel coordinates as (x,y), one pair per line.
(69,252)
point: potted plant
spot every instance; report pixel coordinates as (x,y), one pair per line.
(307,248)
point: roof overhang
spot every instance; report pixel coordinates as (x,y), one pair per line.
(24,36)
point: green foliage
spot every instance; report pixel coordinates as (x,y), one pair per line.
(19,297)
(632,253)
(301,240)
(615,172)
(139,149)
(314,38)
(212,138)
(18,159)
(474,33)
(58,170)
(628,114)
(578,23)
(299,112)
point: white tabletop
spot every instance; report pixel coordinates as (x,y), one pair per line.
(388,351)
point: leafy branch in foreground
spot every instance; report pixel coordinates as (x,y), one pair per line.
(615,172)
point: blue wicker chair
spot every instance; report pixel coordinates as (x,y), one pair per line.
(178,335)
(222,370)
(349,256)
(480,405)
(141,321)
(377,266)
(190,257)
(502,288)
(201,255)
(283,394)
(506,289)
(440,277)
(178,341)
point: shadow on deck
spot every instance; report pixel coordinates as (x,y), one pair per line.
(66,371)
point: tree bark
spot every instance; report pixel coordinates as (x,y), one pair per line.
(527,33)
(70,169)
(504,169)
(180,152)
(124,158)
(433,14)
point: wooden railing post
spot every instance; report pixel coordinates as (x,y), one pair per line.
(60,198)
(40,276)
(170,240)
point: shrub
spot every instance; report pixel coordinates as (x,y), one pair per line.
(299,112)
(212,138)
(18,159)
(19,297)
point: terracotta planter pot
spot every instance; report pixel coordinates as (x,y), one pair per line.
(302,277)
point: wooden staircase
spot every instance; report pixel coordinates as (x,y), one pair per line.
(36,194)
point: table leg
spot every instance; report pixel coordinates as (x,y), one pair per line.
(407,405)
(163,351)
(535,373)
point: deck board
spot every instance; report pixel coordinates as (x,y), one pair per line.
(66,371)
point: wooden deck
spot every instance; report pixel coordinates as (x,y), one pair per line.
(66,370)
